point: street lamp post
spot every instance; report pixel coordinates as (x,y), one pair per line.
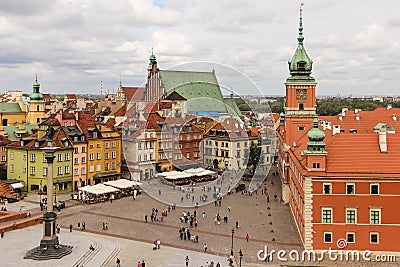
(233,232)
(240,257)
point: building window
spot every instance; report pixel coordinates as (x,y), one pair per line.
(66,156)
(107,155)
(66,169)
(76,150)
(327,187)
(59,172)
(350,188)
(113,166)
(327,237)
(351,216)
(107,166)
(91,168)
(301,106)
(188,155)
(98,167)
(33,156)
(98,145)
(24,170)
(24,156)
(114,154)
(238,154)
(12,155)
(107,144)
(59,157)
(83,149)
(3,158)
(375,216)
(301,128)
(83,159)
(91,145)
(351,237)
(76,171)
(91,156)
(76,160)
(374,189)
(32,170)
(12,168)
(188,145)
(114,144)
(83,170)
(374,238)
(45,171)
(326,215)
(316,165)
(98,156)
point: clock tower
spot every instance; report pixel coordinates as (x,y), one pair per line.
(300,106)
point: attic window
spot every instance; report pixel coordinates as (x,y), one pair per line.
(301,65)
(353,130)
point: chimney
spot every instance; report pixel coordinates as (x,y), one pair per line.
(394,117)
(21,127)
(344,111)
(389,106)
(358,117)
(382,141)
(340,117)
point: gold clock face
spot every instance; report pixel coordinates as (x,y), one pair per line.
(301,94)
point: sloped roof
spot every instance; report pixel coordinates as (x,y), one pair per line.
(121,111)
(133,93)
(366,119)
(201,89)
(10,108)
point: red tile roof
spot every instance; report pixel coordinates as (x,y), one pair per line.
(133,93)
(120,112)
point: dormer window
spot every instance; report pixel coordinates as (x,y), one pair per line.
(301,65)
(94,134)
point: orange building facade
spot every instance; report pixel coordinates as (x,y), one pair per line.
(340,174)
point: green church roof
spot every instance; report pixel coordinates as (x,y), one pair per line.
(36,95)
(201,89)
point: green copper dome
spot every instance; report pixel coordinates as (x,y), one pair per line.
(315,134)
(36,95)
(301,63)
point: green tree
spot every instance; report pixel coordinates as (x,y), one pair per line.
(254,156)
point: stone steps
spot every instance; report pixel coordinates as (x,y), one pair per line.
(51,253)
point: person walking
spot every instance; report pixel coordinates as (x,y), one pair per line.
(118,263)
(145,218)
(139,264)
(247,237)
(143,263)
(205,247)
(83,225)
(70,228)
(187,260)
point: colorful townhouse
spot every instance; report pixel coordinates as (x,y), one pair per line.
(26,162)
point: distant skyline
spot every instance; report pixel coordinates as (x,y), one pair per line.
(74,45)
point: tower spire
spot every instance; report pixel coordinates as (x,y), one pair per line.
(300,38)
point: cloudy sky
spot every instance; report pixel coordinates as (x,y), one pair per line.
(75,44)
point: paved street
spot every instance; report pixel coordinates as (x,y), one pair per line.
(130,238)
